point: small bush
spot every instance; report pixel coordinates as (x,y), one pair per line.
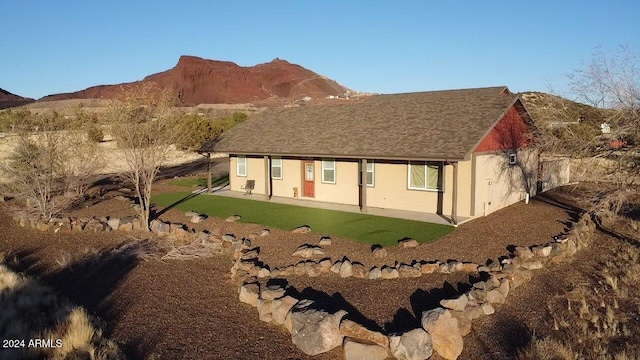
(95,133)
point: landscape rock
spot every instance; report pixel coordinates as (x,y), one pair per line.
(444,332)
(380,253)
(532,265)
(115,222)
(429,268)
(308,251)
(374,273)
(325,241)
(190,214)
(315,331)
(412,345)
(335,268)
(280,308)
(359,271)
(523,253)
(408,271)
(464,323)
(264,310)
(354,350)
(495,297)
(469,268)
(229,238)
(389,273)
(233,218)
(487,308)
(303,229)
(264,232)
(325,265)
(346,269)
(196,219)
(458,303)
(352,329)
(272,292)
(407,243)
(263,273)
(157,226)
(249,293)
(542,250)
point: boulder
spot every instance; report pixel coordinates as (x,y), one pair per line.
(264,273)
(346,269)
(264,232)
(196,219)
(191,214)
(464,323)
(325,265)
(280,308)
(532,265)
(469,268)
(335,268)
(264,310)
(542,250)
(229,238)
(458,303)
(352,329)
(325,241)
(487,308)
(444,332)
(354,350)
(428,268)
(473,312)
(407,243)
(412,345)
(157,226)
(408,271)
(303,229)
(379,252)
(359,271)
(315,331)
(308,251)
(495,297)
(523,253)
(249,293)
(233,218)
(388,272)
(374,274)
(272,292)
(115,222)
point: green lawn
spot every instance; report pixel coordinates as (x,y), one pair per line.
(201,182)
(359,227)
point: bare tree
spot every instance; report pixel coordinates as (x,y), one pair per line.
(611,81)
(145,126)
(34,172)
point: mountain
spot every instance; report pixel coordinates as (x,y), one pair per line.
(8,100)
(200,81)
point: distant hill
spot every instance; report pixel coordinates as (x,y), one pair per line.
(545,108)
(200,81)
(8,100)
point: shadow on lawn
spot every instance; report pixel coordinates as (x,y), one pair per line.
(89,282)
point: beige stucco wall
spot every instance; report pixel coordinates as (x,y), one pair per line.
(499,185)
(390,188)
(255,171)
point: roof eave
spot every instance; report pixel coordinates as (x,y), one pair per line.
(346,156)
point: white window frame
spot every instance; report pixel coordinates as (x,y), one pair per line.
(426,175)
(373,174)
(274,160)
(244,162)
(513,158)
(324,166)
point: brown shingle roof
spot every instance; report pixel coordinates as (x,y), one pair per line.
(435,125)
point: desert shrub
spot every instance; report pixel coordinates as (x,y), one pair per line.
(95,133)
(546,349)
(33,311)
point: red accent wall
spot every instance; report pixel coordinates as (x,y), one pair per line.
(510,132)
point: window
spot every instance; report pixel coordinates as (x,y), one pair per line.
(513,158)
(276,168)
(329,171)
(370,173)
(424,175)
(241,166)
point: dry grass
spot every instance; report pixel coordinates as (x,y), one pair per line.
(598,318)
(31,311)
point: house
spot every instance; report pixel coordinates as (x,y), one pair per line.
(456,153)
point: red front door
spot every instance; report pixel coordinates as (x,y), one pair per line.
(308,177)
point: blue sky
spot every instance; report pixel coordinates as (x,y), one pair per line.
(50,47)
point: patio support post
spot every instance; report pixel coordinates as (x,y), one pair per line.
(208,173)
(454,195)
(363,185)
(267,179)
